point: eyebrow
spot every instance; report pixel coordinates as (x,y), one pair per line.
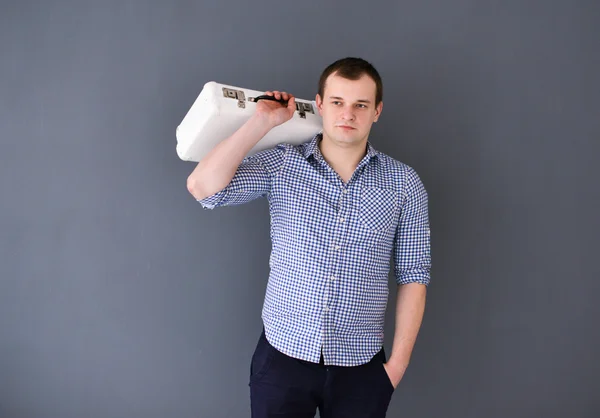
(360,100)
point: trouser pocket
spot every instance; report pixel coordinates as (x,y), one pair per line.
(261,359)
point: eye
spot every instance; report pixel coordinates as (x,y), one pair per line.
(336,102)
(362,105)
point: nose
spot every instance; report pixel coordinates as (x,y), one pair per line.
(348,113)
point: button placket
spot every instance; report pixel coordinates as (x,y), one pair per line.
(331,285)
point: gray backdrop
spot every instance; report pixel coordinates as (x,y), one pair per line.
(121,297)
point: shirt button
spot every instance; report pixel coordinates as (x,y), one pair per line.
(345,191)
(342,219)
(336,247)
(333,278)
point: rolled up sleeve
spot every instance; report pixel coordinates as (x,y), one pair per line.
(252,179)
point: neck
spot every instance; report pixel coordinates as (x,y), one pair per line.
(342,158)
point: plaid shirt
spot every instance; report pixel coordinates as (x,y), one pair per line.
(331,246)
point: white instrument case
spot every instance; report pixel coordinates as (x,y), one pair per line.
(221,109)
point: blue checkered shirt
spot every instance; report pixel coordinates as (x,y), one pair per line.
(331,246)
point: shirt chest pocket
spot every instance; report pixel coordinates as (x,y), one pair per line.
(377,208)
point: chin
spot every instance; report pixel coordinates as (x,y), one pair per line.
(348,140)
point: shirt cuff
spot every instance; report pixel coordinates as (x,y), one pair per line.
(414,277)
(213,201)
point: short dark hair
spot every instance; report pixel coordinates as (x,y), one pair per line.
(352,68)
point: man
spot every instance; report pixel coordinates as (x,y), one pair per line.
(339,209)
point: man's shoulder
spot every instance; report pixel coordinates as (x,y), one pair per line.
(405,176)
(293,149)
(289,147)
(394,165)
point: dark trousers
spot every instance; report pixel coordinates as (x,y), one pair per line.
(285,387)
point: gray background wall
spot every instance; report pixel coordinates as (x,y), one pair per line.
(121,297)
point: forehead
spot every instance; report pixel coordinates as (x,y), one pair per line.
(363,88)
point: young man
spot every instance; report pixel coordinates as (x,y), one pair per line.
(339,210)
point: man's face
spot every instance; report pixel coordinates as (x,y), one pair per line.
(348,109)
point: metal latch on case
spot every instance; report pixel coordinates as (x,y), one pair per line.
(235,94)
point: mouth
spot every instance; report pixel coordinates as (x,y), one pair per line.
(346,127)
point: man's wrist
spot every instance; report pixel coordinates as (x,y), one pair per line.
(263,120)
(398,363)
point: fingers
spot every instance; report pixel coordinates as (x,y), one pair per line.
(275,93)
(279,95)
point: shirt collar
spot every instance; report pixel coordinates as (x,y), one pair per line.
(311,148)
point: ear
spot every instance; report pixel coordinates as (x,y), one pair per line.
(378,111)
(319,103)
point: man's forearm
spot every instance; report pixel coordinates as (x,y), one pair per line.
(410,306)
